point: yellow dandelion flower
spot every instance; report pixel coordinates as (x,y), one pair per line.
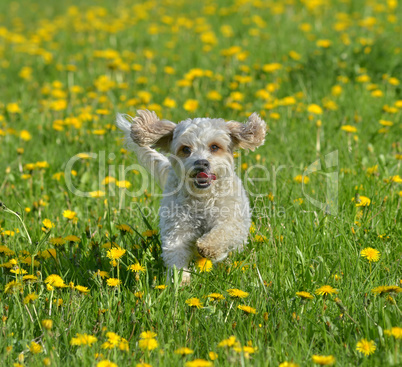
(72,238)
(47,224)
(169,70)
(30,278)
(148,335)
(199,363)
(42,164)
(301,178)
(30,298)
(396,332)
(362,201)
(190,105)
(102,274)
(161,286)
(18,271)
(204,265)
(25,135)
(46,254)
(137,268)
(314,109)
(288,364)
(212,356)
(184,351)
(169,103)
(82,289)
(47,324)
(148,344)
(107,180)
(247,349)
(385,289)
(6,250)
(214,95)
(372,170)
(324,43)
(194,302)
(115,253)
(371,254)
(113,282)
(396,179)
(324,360)
(216,296)
(97,194)
(230,342)
(108,345)
(83,339)
(55,280)
(237,293)
(270,68)
(123,345)
(150,233)
(304,295)
(123,184)
(325,290)
(247,309)
(386,123)
(366,347)
(13,108)
(69,214)
(57,241)
(349,128)
(294,55)
(124,228)
(35,348)
(106,363)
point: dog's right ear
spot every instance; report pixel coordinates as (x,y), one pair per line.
(147,130)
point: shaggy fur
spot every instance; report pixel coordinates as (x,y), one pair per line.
(209,216)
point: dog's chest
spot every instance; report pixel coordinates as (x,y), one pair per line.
(201,215)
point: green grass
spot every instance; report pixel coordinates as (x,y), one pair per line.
(294,246)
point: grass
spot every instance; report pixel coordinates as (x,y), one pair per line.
(310,69)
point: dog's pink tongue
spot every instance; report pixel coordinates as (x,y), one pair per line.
(205,176)
(202,175)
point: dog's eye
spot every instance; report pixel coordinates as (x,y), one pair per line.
(186,150)
(214,148)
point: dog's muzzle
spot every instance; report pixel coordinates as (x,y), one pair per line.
(202,174)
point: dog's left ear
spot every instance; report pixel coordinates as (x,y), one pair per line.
(249,135)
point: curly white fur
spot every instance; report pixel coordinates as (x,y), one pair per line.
(209,220)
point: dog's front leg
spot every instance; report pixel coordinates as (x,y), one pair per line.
(177,252)
(223,237)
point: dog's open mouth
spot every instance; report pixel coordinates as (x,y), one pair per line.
(204,180)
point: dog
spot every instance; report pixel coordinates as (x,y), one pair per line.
(205,208)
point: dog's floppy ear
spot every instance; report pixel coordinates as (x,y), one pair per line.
(249,135)
(148,130)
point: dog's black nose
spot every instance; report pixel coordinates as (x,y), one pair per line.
(201,164)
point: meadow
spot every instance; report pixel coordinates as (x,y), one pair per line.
(82,281)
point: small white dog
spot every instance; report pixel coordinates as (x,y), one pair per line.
(204,208)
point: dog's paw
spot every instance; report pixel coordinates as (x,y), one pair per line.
(186,278)
(212,254)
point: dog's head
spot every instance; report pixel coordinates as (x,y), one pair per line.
(201,149)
